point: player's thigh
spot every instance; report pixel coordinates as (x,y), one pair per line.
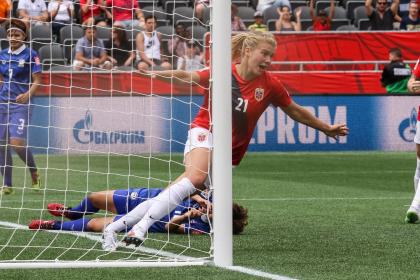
(4,126)
(18,128)
(103,200)
(417,139)
(98,224)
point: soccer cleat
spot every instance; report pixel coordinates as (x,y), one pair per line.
(58,210)
(411,217)
(36,181)
(137,241)
(109,242)
(41,224)
(7,190)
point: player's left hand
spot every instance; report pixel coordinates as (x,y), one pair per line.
(337,130)
(416,86)
(23,98)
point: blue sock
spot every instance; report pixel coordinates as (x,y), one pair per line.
(26,155)
(76,225)
(6,164)
(84,208)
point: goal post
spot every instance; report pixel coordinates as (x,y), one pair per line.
(222,132)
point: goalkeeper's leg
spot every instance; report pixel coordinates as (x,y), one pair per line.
(197,166)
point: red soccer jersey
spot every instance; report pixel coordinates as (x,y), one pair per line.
(93,11)
(122,9)
(249,101)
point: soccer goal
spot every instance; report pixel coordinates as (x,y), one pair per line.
(99,125)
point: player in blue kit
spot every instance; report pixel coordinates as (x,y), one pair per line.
(20,76)
(189,217)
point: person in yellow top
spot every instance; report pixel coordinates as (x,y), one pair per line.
(258,25)
(5,7)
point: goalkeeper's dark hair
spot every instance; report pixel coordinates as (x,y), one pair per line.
(15,23)
(240,218)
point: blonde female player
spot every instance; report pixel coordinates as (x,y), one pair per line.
(253,90)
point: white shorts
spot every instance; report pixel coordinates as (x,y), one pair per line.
(198,138)
(417,137)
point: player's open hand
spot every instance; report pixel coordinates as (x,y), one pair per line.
(23,98)
(337,130)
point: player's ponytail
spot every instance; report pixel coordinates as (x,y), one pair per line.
(244,40)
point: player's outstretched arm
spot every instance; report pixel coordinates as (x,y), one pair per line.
(300,114)
(179,77)
(413,85)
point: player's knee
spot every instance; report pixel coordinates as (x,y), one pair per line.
(95,225)
(418,153)
(197,178)
(94,198)
(17,143)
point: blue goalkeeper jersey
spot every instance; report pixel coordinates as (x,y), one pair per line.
(16,69)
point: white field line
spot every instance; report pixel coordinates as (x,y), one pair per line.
(97,238)
(263,199)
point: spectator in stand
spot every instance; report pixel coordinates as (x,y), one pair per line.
(90,52)
(383,17)
(192,60)
(119,49)
(396,74)
(236,22)
(148,47)
(32,12)
(412,21)
(285,23)
(178,44)
(321,22)
(94,12)
(122,12)
(265,4)
(258,25)
(61,14)
(200,6)
(5,9)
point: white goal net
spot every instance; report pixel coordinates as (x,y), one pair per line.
(97,125)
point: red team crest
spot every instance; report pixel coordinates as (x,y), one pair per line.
(201,137)
(259,94)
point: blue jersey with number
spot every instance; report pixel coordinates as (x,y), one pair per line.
(16,69)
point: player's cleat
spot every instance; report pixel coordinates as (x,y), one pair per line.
(41,224)
(7,190)
(411,217)
(109,242)
(137,241)
(58,210)
(36,181)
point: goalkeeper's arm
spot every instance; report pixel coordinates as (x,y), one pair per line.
(178,77)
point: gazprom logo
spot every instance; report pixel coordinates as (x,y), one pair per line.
(84,133)
(407,128)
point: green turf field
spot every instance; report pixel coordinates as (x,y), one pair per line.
(312,216)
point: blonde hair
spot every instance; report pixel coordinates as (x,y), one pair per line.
(249,40)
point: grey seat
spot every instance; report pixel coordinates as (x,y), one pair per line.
(70,32)
(206,16)
(161,16)
(339,12)
(306,13)
(145,3)
(351,6)
(270,14)
(170,5)
(348,27)
(336,23)
(166,30)
(40,35)
(51,55)
(184,15)
(103,33)
(197,32)
(241,3)
(359,15)
(246,14)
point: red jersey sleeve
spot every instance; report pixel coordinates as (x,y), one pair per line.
(280,95)
(204,77)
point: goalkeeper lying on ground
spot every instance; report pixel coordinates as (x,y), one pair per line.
(189,217)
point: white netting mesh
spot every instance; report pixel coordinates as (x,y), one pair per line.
(97,125)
